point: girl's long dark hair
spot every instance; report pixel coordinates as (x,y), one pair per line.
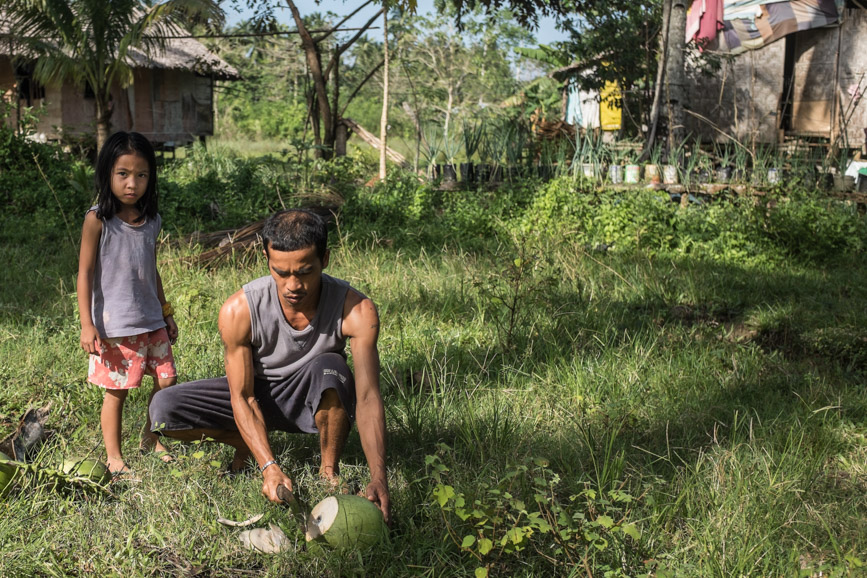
(119,144)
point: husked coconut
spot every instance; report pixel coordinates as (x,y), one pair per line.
(346,521)
(7,473)
(94,470)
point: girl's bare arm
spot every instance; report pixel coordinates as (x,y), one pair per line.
(90,233)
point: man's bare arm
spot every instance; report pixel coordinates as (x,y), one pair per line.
(361,325)
(236,332)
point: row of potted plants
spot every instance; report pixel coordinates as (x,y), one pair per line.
(506,150)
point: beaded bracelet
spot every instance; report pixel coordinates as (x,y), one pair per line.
(168,310)
(267,464)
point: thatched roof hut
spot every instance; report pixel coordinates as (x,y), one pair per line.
(170,100)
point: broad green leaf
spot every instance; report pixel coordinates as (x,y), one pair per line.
(605,521)
(481,573)
(485,546)
(630,530)
(198,455)
(468,541)
(443,494)
(515,535)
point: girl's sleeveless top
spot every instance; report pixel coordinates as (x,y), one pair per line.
(279,350)
(125,300)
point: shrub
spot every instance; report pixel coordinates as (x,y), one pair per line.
(37,194)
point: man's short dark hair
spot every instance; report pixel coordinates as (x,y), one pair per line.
(295,229)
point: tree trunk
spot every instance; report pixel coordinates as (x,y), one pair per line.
(103,120)
(660,79)
(314,64)
(675,74)
(335,115)
(383,123)
(341,136)
(449,103)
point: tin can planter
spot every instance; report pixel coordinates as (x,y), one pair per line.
(588,170)
(723,174)
(468,172)
(652,174)
(775,176)
(615,174)
(844,183)
(449,173)
(669,174)
(632,174)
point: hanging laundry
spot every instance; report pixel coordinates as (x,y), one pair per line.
(704,21)
(751,24)
(573,105)
(609,109)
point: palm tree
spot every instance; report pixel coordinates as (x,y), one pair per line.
(90,41)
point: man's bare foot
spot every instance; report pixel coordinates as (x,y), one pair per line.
(332,482)
(149,444)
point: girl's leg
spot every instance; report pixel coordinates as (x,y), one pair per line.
(150,439)
(111,419)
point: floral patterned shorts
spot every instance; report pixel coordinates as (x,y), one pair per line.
(123,361)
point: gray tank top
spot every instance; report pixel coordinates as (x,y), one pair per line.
(124,297)
(279,350)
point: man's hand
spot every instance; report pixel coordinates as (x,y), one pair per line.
(274,477)
(377,492)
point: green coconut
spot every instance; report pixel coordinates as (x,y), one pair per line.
(7,474)
(346,521)
(94,470)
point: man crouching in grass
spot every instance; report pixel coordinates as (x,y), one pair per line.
(284,337)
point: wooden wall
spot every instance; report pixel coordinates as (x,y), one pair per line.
(171,105)
(745,98)
(852,70)
(164,105)
(741,100)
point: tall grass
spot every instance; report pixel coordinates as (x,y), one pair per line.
(668,414)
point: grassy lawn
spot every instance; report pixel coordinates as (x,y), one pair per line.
(556,411)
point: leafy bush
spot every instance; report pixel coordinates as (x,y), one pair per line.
(531,509)
(803,226)
(394,208)
(216,188)
(37,194)
(815,229)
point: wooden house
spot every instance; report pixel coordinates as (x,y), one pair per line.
(808,85)
(170,101)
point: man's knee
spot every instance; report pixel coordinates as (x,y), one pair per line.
(330,400)
(161,411)
(331,409)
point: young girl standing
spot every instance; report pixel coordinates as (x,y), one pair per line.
(126,323)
